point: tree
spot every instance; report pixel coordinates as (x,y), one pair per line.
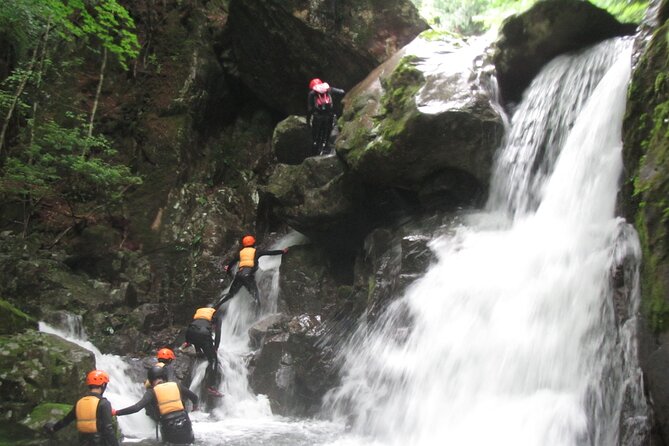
(55,156)
(469,17)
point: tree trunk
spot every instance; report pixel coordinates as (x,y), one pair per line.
(15,100)
(97,92)
(38,84)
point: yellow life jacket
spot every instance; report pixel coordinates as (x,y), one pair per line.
(168,398)
(204,313)
(247,258)
(87,414)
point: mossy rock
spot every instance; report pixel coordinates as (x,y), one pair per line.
(37,367)
(13,320)
(427,111)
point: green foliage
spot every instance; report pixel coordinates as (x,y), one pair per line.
(104,20)
(470,17)
(63,162)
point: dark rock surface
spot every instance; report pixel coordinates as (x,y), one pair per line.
(529,40)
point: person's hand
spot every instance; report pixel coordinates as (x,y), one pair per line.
(226,268)
(285,250)
(114,412)
(48,428)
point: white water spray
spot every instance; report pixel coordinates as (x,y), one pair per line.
(513,338)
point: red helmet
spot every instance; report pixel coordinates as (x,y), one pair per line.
(97,378)
(248,240)
(165,353)
(314,82)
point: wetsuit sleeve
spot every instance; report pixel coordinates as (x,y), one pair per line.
(216,322)
(105,424)
(338,91)
(147,399)
(67,419)
(189,394)
(232,261)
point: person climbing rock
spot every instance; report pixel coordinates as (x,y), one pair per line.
(321,114)
(92,413)
(167,399)
(204,333)
(248,265)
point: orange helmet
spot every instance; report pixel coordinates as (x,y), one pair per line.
(97,378)
(314,82)
(248,240)
(165,353)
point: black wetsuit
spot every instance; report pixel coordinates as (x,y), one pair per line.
(322,120)
(105,436)
(245,277)
(206,337)
(175,427)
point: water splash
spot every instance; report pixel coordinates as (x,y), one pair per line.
(514,338)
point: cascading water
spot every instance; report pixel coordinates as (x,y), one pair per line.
(122,390)
(512,335)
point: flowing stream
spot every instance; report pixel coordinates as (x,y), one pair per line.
(512,336)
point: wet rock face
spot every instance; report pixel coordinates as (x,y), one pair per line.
(549,28)
(645,147)
(38,367)
(278,46)
(422,118)
(317,198)
(293,367)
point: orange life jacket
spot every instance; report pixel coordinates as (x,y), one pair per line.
(168,398)
(204,313)
(86,411)
(247,258)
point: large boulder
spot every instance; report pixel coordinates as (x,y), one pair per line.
(294,366)
(646,157)
(338,41)
(317,198)
(292,140)
(38,367)
(311,280)
(424,121)
(551,27)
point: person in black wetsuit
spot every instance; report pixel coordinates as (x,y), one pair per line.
(92,413)
(204,333)
(167,399)
(321,114)
(248,265)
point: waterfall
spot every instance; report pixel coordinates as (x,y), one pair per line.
(513,337)
(239,401)
(122,390)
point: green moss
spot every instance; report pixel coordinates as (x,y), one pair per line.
(46,412)
(13,320)
(647,158)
